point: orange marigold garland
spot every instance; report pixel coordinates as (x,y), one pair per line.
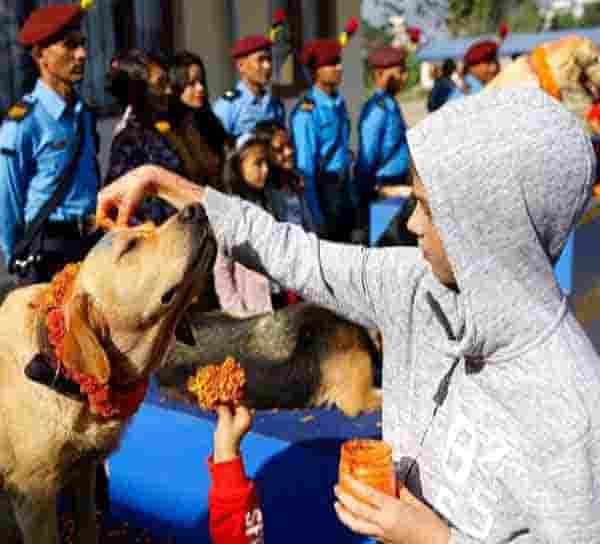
(218,384)
(103,401)
(544,72)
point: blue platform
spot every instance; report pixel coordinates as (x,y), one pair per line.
(159,479)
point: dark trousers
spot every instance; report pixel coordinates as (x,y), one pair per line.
(336,205)
(362,215)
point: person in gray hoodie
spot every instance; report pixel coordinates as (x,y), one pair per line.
(491,388)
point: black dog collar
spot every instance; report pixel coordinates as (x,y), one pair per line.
(41,371)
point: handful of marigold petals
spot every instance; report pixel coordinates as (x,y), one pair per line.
(218,384)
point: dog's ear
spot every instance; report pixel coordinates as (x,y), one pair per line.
(82,348)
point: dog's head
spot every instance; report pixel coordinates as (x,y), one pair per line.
(573,66)
(130,292)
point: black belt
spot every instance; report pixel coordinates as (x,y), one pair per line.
(393,180)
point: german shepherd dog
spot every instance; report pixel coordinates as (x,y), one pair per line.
(297,357)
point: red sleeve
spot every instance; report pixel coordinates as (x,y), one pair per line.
(234,510)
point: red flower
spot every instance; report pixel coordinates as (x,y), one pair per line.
(279,17)
(503,29)
(414,33)
(352,26)
(594,113)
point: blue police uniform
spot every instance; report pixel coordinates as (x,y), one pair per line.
(474,84)
(34,150)
(240,110)
(382,150)
(320,128)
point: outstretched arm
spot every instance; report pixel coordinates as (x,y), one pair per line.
(351,280)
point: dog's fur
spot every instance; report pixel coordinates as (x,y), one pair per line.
(297,357)
(128,297)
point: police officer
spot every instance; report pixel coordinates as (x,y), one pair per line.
(481,65)
(42,135)
(320,128)
(383,162)
(242,108)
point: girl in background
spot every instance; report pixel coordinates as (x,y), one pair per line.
(243,292)
(284,188)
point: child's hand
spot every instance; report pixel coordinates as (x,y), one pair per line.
(232,425)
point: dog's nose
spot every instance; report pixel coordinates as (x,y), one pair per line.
(193,214)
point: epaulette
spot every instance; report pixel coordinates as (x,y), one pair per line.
(231,95)
(18,111)
(307,104)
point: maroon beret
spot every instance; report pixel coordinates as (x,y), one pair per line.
(321,52)
(386,57)
(486,51)
(44,23)
(250,44)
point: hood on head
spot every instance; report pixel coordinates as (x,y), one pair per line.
(508,174)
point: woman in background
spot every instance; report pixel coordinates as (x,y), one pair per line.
(139,81)
(194,120)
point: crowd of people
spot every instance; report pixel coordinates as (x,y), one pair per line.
(490,387)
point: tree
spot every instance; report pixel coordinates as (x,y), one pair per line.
(470,17)
(566,20)
(562,21)
(591,15)
(526,18)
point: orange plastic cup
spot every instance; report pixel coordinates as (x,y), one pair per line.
(370,462)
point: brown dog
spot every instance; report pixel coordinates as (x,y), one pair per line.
(120,317)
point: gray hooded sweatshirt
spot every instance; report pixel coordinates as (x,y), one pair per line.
(491,395)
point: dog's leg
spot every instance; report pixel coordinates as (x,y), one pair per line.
(37,519)
(348,382)
(83,490)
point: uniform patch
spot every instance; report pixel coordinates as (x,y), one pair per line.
(231,95)
(381,102)
(307,105)
(18,112)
